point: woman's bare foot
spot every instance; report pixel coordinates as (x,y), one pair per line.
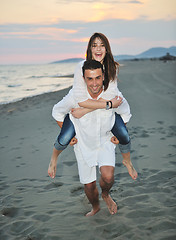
(93,212)
(53,163)
(112,206)
(131,169)
(52,168)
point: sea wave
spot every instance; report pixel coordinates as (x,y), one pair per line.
(14,85)
(54,76)
(18,82)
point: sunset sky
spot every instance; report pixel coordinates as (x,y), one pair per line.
(42,31)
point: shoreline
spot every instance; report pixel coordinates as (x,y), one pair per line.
(23,98)
(34,98)
(122,63)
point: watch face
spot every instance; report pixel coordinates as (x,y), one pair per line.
(107,106)
(111,104)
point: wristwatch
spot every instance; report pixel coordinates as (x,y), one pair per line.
(108,105)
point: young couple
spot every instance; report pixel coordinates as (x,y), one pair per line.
(97,118)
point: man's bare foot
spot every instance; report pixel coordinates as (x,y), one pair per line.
(112,206)
(131,169)
(52,169)
(93,212)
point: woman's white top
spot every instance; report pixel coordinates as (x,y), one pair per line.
(80,93)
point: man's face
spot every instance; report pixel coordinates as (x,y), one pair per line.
(94,81)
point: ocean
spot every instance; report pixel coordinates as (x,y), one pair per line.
(21,81)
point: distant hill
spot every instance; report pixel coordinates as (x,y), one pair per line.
(150,53)
(157,52)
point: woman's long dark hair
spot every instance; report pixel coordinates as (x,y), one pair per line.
(110,66)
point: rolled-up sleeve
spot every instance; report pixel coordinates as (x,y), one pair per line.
(63,107)
(124,108)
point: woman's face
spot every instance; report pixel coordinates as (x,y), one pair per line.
(98,50)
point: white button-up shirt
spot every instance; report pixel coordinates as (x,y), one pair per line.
(93,130)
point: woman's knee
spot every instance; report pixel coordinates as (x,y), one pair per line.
(58,146)
(124,138)
(63,140)
(120,131)
(67,132)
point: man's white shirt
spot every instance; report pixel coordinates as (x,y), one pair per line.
(93,130)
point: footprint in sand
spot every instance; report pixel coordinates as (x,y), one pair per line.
(69,163)
(53,185)
(10,212)
(77,190)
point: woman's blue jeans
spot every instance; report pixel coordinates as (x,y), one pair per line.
(119,130)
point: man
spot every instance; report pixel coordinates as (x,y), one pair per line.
(94,146)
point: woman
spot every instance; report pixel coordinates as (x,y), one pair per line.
(98,49)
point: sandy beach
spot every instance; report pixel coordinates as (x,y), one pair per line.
(35,207)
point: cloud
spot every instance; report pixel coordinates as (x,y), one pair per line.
(136,2)
(54,11)
(80,32)
(42,33)
(63,27)
(99,1)
(68,39)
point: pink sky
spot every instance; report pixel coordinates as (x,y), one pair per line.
(43,31)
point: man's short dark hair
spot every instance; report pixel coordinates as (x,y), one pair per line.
(91,65)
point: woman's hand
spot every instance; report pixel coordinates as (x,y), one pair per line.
(80,112)
(116,102)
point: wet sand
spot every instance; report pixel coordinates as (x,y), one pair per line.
(33,206)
